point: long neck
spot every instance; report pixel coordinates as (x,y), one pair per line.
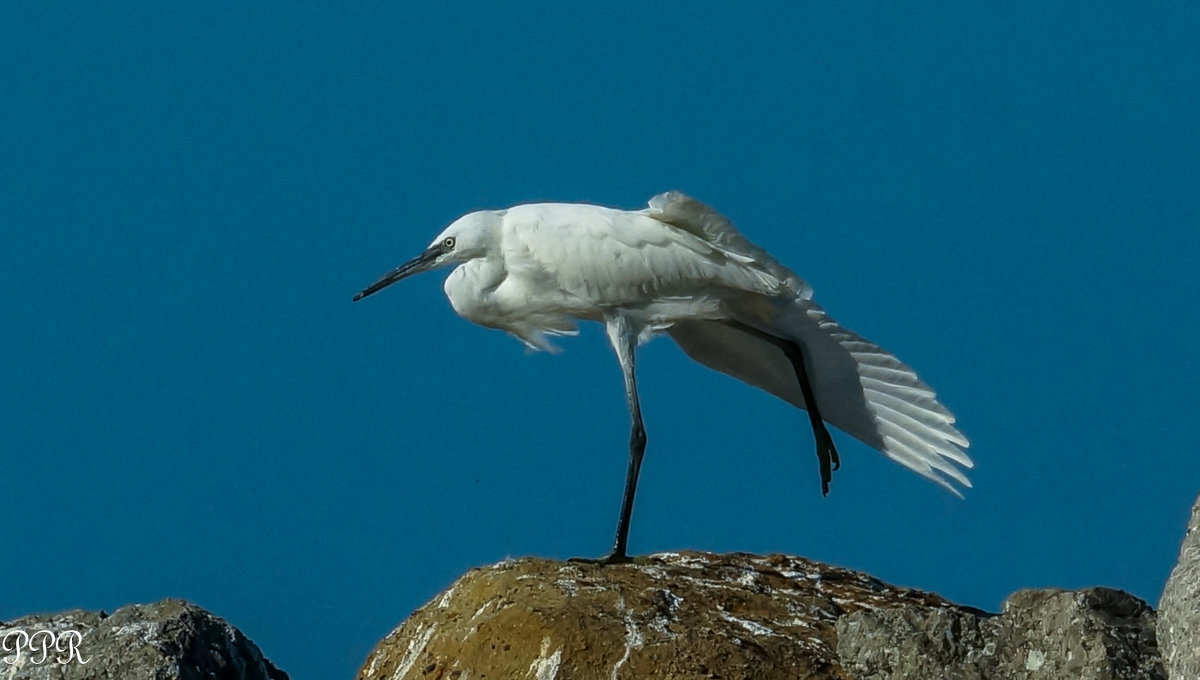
(469,288)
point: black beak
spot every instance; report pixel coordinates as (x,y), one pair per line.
(423,262)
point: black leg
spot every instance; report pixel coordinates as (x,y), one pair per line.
(827,454)
(624,342)
(637,449)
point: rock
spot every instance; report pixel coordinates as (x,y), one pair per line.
(689,615)
(167,640)
(1179,608)
(1092,634)
(674,615)
(695,615)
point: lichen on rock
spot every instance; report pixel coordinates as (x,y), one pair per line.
(690,614)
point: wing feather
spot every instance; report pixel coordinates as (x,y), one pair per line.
(861,388)
(704,222)
(690,261)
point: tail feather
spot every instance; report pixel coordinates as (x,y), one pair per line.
(861,388)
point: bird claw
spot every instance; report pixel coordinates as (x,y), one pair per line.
(828,456)
(611,558)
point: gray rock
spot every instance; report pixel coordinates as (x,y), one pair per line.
(167,640)
(910,642)
(1092,634)
(1179,608)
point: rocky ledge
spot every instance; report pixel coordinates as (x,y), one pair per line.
(674,615)
(167,640)
(698,615)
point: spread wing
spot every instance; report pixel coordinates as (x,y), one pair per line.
(683,267)
(861,388)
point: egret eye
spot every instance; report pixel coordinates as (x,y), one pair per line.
(448,243)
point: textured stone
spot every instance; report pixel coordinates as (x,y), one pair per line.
(167,640)
(1092,634)
(673,615)
(695,615)
(1179,608)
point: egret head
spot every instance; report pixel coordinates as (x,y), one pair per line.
(467,238)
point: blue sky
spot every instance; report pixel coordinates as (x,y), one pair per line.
(1005,195)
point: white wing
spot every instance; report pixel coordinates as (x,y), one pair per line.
(683,211)
(861,388)
(691,268)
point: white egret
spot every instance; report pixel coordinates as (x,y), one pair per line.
(680,268)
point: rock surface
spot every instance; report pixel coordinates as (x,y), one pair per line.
(167,640)
(1092,634)
(672,615)
(1179,608)
(695,615)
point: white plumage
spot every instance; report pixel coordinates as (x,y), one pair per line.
(680,268)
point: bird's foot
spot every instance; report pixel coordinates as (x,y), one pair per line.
(611,558)
(828,456)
